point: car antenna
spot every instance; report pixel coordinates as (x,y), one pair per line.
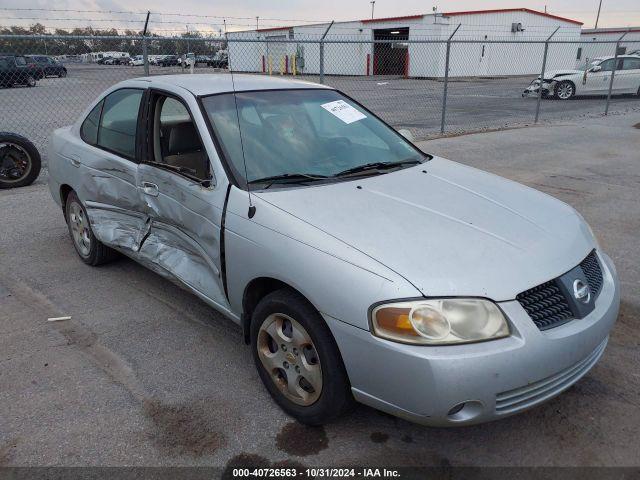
(252,208)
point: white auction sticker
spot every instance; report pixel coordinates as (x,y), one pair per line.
(343,111)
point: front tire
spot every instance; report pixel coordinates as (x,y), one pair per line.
(565,90)
(90,250)
(30,82)
(298,360)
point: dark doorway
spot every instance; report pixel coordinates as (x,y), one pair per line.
(390,58)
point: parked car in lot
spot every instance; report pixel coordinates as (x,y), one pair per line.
(358,266)
(169,61)
(14,70)
(48,66)
(593,80)
(219,61)
(137,61)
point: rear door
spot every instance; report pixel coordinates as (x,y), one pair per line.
(184,205)
(108,170)
(629,75)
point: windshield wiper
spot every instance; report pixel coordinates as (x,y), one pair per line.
(375,166)
(288,178)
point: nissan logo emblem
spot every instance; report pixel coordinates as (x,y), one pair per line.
(581,291)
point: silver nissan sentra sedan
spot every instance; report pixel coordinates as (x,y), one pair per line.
(359,267)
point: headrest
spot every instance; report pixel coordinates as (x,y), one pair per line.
(183,138)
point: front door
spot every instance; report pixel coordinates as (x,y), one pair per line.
(184,207)
(597,83)
(629,76)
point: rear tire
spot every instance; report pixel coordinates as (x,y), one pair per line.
(291,342)
(63,73)
(90,250)
(564,90)
(31,81)
(17,152)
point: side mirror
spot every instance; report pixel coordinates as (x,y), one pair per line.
(596,68)
(406,134)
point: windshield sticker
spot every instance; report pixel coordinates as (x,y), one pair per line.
(343,111)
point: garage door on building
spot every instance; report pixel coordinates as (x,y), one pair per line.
(390,56)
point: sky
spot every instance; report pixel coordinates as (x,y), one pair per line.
(240,14)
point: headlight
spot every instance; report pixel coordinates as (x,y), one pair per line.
(439,321)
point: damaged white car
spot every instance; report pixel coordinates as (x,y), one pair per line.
(359,267)
(593,79)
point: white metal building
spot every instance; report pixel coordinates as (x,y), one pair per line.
(402,57)
(588,49)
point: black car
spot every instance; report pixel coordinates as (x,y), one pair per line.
(50,67)
(169,61)
(219,62)
(15,70)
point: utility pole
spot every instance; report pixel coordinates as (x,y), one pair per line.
(145,52)
(373,6)
(598,15)
(257,19)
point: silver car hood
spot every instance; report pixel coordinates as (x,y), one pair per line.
(454,230)
(553,73)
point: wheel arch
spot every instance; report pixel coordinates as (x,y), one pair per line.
(65,190)
(256,290)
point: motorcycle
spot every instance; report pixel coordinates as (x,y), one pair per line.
(19,161)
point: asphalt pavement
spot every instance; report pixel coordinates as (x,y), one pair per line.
(144,373)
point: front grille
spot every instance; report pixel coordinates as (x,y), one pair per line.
(547,305)
(533,393)
(591,268)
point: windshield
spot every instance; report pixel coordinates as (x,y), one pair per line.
(314,132)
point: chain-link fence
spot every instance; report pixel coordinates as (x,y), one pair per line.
(428,86)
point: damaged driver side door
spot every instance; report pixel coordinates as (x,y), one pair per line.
(183,204)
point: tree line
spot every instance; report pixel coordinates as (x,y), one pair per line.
(187,42)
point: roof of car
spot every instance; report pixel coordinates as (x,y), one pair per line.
(209,84)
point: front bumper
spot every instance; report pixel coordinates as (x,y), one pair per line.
(533,89)
(493,379)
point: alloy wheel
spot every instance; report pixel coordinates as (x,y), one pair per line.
(15,162)
(565,91)
(288,354)
(79,229)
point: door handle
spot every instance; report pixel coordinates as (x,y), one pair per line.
(150,189)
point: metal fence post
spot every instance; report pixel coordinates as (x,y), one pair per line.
(322,52)
(145,55)
(544,66)
(613,73)
(446,80)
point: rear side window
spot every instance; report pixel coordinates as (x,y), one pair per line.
(89,129)
(21,61)
(118,125)
(631,64)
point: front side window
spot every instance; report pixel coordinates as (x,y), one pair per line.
(317,133)
(21,61)
(607,65)
(176,143)
(118,125)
